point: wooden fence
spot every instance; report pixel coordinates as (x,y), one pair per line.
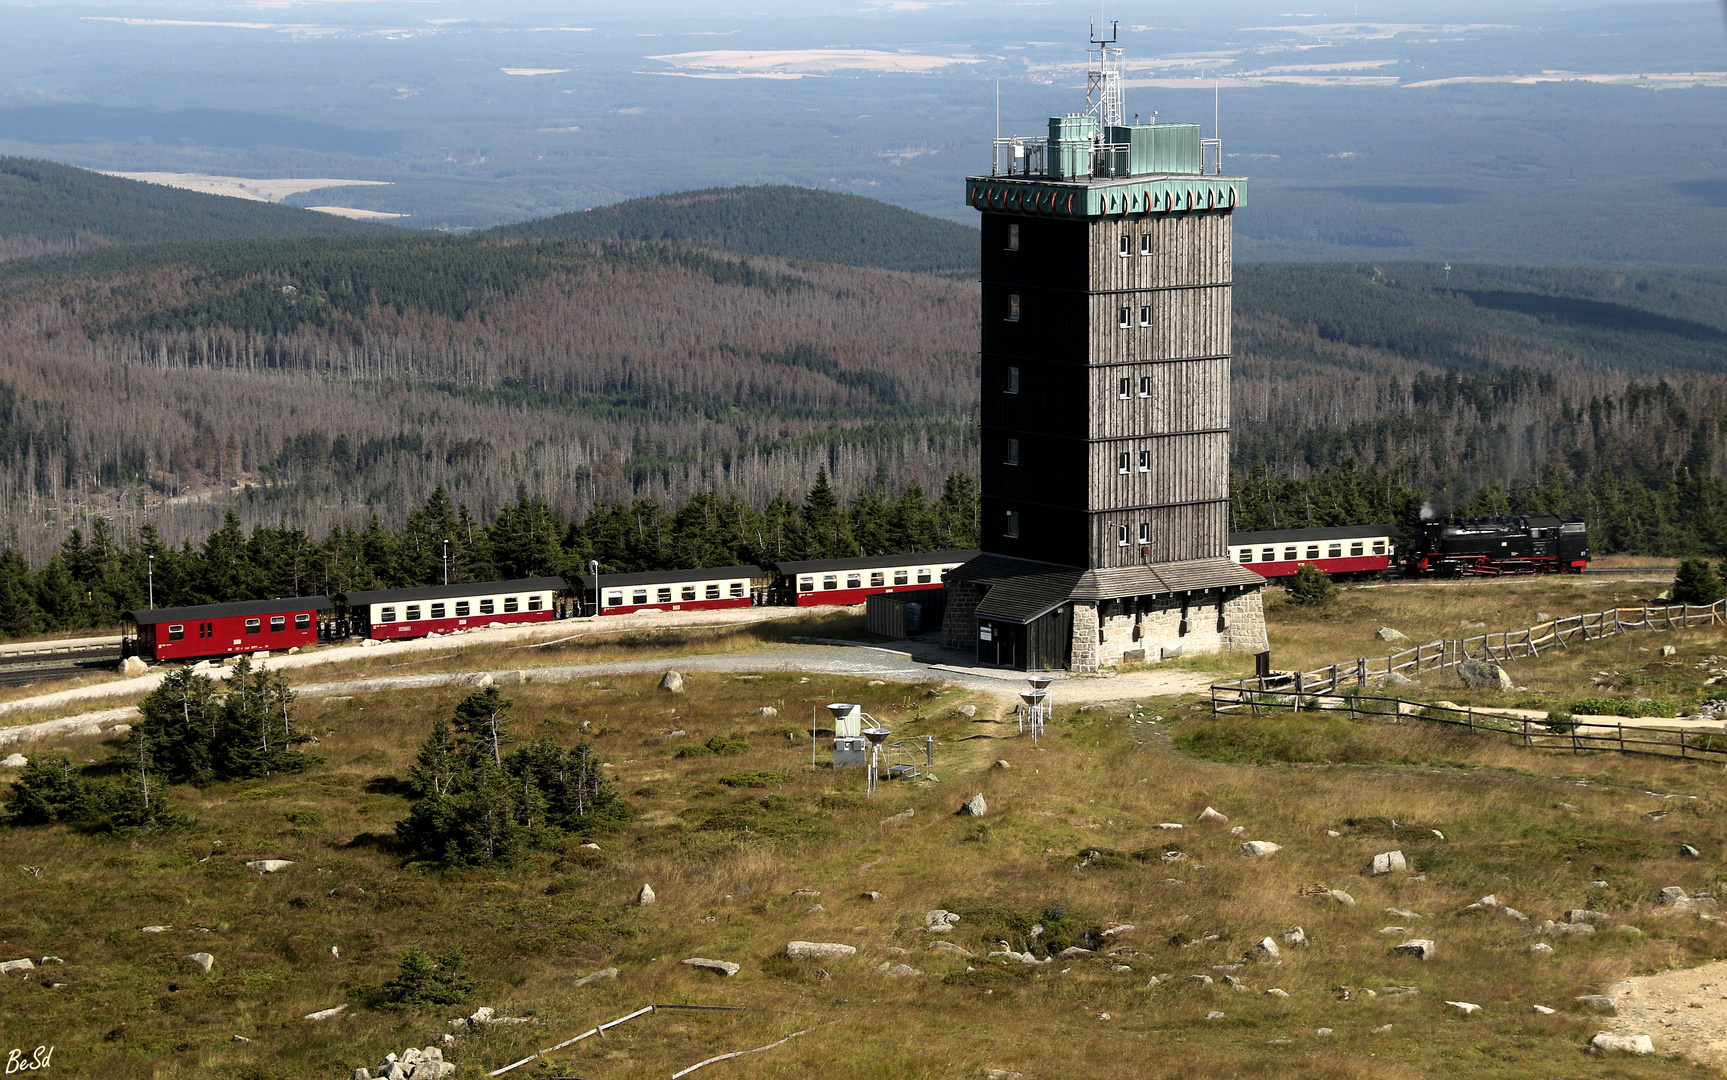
(1577,735)
(1492,648)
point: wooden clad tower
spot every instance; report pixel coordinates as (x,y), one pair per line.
(1106,278)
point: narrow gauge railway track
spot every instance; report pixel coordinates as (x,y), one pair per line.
(50,666)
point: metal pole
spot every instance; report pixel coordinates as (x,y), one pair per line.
(446,562)
(594,569)
(152,572)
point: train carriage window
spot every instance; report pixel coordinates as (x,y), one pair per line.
(1145,315)
(278,623)
(663,595)
(1313,551)
(303,621)
(712,592)
(854,581)
(1012,381)
(1289,554)
(488,605)
(689,592)
(175,633)
(612,600)
(829,582)
(1268,555)
(512,603)
(438,611)
(923,575)
(1246,555)
(737,590)
(807,584)
(1379,547)
(1012,307)
(413,613)
(640,596)
(387,614)
(534,602)
(877,579)
(1355,548)
(463,608)
(900,577)
(1145,243)
(254,626)
(1334,551)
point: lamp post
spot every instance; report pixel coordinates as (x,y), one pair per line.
(594,569)
(152,577)
(446,562)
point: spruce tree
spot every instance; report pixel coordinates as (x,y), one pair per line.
(482,724)
(1697,582)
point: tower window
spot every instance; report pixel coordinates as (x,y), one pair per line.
(1145,315)
(1145,386)
(1013,237)
(1145,532)
(1012,526)
(1124,317)
(1121,536)
(1123,461)
(1145,461)
(1124,388)
(1012,380)
(1145,243)
(1013,451)
(1012,307)
(1126,245)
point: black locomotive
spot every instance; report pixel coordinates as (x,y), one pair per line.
(1534,544)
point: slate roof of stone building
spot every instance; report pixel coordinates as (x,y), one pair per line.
(1021,591)
(1157,579)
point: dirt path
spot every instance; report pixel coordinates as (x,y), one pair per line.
(1683,1012)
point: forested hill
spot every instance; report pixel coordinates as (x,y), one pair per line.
(45,206)
(790,222)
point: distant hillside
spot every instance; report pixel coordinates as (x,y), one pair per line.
(45,206)
(790,222)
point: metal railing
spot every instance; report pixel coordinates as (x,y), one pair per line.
(1017,156)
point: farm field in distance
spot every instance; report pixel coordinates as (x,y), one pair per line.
(1070,841)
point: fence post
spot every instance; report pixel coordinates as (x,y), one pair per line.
(1361,672)
(1332,688)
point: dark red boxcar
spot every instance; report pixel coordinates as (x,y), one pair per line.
(443,609)
(192,633)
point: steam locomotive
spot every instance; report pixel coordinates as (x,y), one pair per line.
(1491,546)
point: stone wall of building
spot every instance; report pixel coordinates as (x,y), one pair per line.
(959,624)
(1142,630)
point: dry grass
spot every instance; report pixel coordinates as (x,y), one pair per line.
(725,862)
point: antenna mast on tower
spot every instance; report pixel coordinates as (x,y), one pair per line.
(1103,80)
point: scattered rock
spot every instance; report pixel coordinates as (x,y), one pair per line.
(1604,1003)
(1402,913)
(1606,1042)
(1388,862)
(725,968)
(939,920)
(819,950)
(1513,913)
(967,711)
(132,667)
(1686,851)
(1542,616)
(1394,931)
(1333,833)
(1295,938)
(1395,679)
(1541,948)
(1003,765)
(12,967)
(1203,980)
(1579,915)
(871,895)
(269,866)
(1238,830)
(1208,814)
(1265,952)
(1235,984)
(1469,1008)
(1669,650)
(906,971)
(1542,1010)
(672,682)
(806,894)
(154,929)
(591,846)
(325,1014)
(601,975)
(1168,825)
(904,815)
(1480,675)
(960,950)
(1118,928)
(1629,931)
(766,711)
(1388,634)
(1322,1032)
(1549,928)
(1420,948)
(203,961)
(1276,993)
(973,807)
(1214,1015)
(1075,950)
(1341,897)
(645,895)
(1672,894)
(1486,903)
(14,761)
(1259,849)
